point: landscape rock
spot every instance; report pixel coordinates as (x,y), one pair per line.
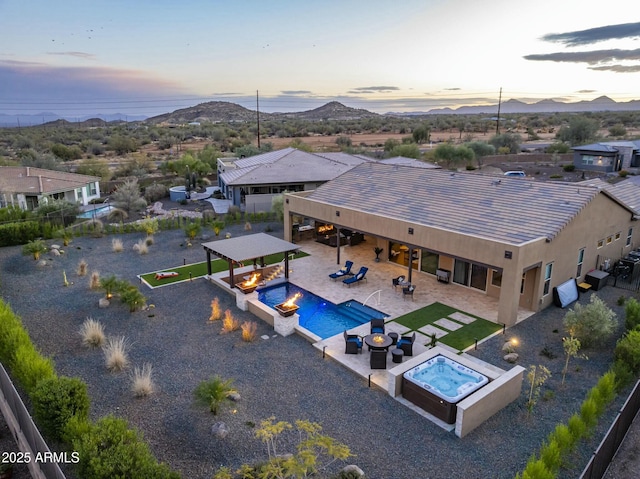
(511,357)
(103,302)
(55,252)
(352,470)
(508,347)
(220,430)
(55,246)
(234,396)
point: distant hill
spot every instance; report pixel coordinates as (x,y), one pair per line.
(48,118)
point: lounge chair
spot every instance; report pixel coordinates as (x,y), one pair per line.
(378,359)
(344,271)
(359,276)
(397,281)
(406,344)
(408,291)
(352,343)
(377,326)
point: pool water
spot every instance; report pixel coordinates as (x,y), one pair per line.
(323,318)
(100,211)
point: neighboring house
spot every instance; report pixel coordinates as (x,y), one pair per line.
(510,238)
(27,187)
(251,183)
(607,157)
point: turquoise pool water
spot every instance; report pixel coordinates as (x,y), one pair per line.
(323,318)
(100,211)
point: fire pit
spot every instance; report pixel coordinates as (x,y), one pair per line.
(249,285)
(289,307)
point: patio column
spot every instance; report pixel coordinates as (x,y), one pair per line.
(410,264)
(231,280)
(338,247)
(286,264)
(208,262)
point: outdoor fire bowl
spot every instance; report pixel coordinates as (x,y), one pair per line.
(286,311)
(246,289)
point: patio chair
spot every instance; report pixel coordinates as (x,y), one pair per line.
(406,344)
(352,343)
(344,271)
(359,276)
(396,281)
(408,291)
(378,359)
(377,326)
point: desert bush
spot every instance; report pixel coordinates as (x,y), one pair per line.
(141,247)
(569,168)
(149,226)
(192,229)
(631,314)
(247,226)
(606,389)
(535,469)
(56,401)
(94,280)
(142,384)
(110,449)
(551,456)
(115,354)
(249,329)
(149,240)
(563,438)
(12,234)
(92,333)
(34,248)
(116,245)
(577,427)
(132,297)
(213,393)
(623,374)
(82,268)
(155,192)
(109,284)
(117,215)
(229,323)
(30,367)
(592,324)
(589,412)
(216,312)
(628,350)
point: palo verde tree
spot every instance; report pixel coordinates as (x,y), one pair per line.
(127,197)
(580,130)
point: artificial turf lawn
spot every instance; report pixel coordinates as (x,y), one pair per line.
(459,339)
(198,270)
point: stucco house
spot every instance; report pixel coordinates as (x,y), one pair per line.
(607,156)
(509,238)
(26,187)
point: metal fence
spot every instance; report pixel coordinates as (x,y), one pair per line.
(25,431)
(602,457)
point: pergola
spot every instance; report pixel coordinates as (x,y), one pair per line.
(249,247)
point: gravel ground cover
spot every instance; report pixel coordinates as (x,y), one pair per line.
(282,377)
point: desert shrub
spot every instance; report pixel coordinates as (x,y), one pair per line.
(631,314)
(12,335)
(58,399)
(92,333)
(216,312)
(35,249)
(132,297)
(110,449)
(628,350)
(249,329)
(233,211)
(116,245)
(623,173)
(623,374)
(12,234)
(117,215)
(577,427)
(589,412)
(115,354)
(141,247)
(592,324)
(229,323)
(213,393)
(142,384)
(536,469)
(551,455)
(247,226)
(192,229)
(94,280)
(155,192)
(569,168)
(606,389)
(30,367)
(149,240)
(82,268)
(563,438)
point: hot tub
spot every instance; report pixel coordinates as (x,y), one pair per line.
(438,384)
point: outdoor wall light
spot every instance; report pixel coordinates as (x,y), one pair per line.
(287,201)
(508,254)
(410,231)
(337,213)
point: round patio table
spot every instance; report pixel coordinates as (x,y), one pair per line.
(377,341)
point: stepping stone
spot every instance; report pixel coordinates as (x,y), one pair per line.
(429,329)
(461,317)
(448,324)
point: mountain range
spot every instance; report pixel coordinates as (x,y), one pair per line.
(220,111)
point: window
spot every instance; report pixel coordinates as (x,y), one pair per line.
(580,261)
(617,236)
(524,275)
(596,160)
(496,278)
(547,278)
(429,262)
(600,243)
(609,239)
(629,235)
(92,189)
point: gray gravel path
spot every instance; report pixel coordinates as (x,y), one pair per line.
(282,377)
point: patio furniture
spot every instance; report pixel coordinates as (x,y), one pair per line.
(396,355)
(396,281)
(344,271)
(359,276)
(394,338)
(352,343)
(408,291)
(406,344)
(378,359)
(377,326)
(377,341)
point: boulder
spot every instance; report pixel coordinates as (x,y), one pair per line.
(508,347)
(220,430)
(103,302)
(352,471)
(234,396)
(511,357)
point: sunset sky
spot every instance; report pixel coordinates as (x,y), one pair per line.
(77,57)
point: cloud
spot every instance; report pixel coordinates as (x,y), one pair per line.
(586,91)
(595,35)
(591,57)
(373,89)
(618,68)
(296,92)
(87,56)
(453,89)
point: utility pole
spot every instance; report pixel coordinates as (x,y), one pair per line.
(498,120)
(258,115)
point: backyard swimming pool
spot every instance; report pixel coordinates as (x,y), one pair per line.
(323,318)
(100,211)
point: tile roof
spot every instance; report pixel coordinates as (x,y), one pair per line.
(511,210)
(401,160)
(289,166)
(38,181)
(626,192)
